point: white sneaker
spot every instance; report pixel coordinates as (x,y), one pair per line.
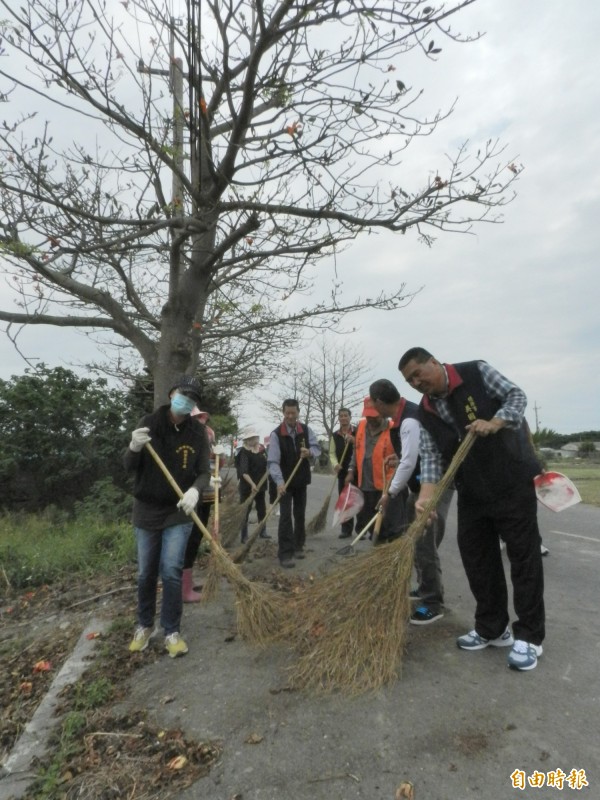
(473,641)
(524,655)
(544,550)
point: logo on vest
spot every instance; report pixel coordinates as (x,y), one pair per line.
(471,409)
(186,453)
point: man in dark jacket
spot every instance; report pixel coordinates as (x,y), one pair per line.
(405,434)
(290,444)
(496,495)
(161,521)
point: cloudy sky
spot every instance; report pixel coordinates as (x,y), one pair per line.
(523,295)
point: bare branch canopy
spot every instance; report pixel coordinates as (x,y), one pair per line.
(182,181)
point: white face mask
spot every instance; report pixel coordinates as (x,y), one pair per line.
(182,405)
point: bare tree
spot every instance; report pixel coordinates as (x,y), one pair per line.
(200,166)
(330,377)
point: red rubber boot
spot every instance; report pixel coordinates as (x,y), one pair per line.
(187,588)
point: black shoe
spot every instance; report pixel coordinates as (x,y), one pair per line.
(288,563)
(299,554)
(424,616)
(344,535)
(264,535)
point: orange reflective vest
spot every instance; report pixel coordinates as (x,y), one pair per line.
(383,448)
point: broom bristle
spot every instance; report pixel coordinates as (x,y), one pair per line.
(232,517)
(353,647)
(319,521)
(210,589)
(350,628)
(261,613)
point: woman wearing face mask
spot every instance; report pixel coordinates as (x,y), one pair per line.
(161,521)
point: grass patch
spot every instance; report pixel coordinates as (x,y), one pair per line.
(38,549)
(584,474)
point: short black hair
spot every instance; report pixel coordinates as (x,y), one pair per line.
(291,401)
(384,390)
(418,354)
(347,410)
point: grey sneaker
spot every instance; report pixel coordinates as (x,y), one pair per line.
(287,563)
(524,655)
(473,641)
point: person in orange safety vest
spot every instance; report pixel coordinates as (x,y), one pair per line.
(372,468)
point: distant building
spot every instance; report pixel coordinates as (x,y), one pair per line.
(571,450)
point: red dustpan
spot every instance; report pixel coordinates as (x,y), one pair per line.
(349,503)
(556,491)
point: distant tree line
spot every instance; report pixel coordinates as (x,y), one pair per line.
(546,437)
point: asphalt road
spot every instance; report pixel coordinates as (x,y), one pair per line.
(456,724)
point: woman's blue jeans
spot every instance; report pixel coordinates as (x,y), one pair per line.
(161,553)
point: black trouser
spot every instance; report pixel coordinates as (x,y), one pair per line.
(260,504)
(203,512)
(395,521)
(347,526)
(514,519)
(427,560)
(291,535)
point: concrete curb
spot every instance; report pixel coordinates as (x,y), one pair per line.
(16,774)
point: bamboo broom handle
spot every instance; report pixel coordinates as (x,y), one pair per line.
(335,477)
(216,509)
(380,515)
(263,521)
(365,529)
(254,492)
(421,523)
(174,485)
(240,554)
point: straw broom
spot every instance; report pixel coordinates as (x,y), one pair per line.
(235,513)
(240,554)
(349,628)
(260,612)
(318,522)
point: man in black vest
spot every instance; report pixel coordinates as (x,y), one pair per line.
(290,443)
(405,433)
(496,495)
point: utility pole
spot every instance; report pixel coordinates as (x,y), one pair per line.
(536,408)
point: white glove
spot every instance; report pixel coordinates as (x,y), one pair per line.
(139,438)
(189,501)
(215,482)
